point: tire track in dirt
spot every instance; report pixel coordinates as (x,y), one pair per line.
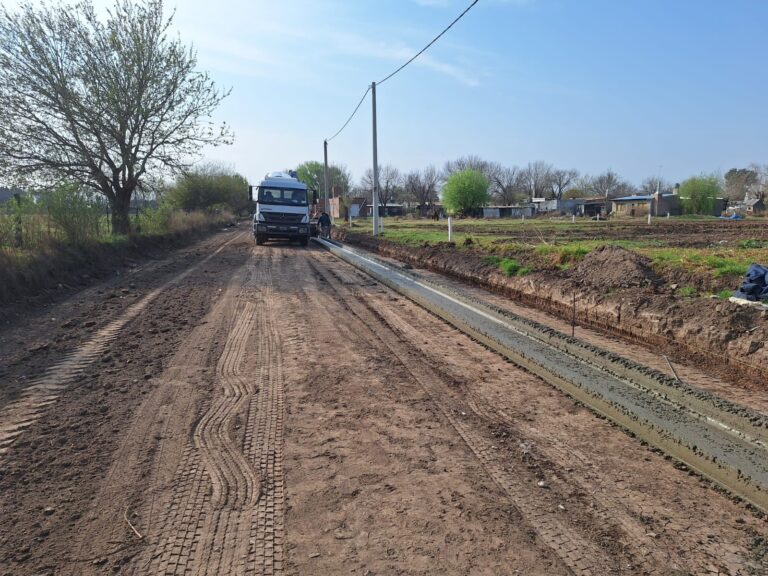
(226,512)
(581,555)
(45,391)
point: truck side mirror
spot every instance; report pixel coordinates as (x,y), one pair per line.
(250,193)
(314,196)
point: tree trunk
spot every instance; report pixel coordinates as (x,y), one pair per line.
(121,221)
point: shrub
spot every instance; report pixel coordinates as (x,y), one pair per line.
(509,267)
(76,211)
(208,187)
(465,192)
(699,194)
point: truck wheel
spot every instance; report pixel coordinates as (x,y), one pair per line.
(260,239)
(304,240)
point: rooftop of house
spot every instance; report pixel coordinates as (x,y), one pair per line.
(642,197)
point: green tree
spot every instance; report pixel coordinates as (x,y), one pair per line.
(312,174)
(465,191)
(209,186)
(100,101)
(700,193)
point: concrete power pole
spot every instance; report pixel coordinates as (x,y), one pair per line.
(325,175)
(375,166)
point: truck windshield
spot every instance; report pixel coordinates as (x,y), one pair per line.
(286,196)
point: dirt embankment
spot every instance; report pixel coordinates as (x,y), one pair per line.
(64,267)
(617,291)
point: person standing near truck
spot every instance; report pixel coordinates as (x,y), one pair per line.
(324,222)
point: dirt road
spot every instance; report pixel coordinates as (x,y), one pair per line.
(271,410)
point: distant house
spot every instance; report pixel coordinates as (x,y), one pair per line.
(361,208)
(524,210)
(571,206)
(754,206)
(640,205)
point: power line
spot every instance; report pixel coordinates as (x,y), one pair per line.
(435,39)
(459,17)
(351,115)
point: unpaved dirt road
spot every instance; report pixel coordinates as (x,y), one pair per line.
(271,410)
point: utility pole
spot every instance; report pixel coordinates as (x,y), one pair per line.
(375,166)
(325,175)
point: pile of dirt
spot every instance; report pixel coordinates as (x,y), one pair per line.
(613,267)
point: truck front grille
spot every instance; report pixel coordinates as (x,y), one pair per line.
(282,217)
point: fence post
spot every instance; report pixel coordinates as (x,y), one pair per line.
(450,229)
(18,236)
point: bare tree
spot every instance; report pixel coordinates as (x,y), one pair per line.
(507,184)
(390,181)
(739,182)
(537,177)
(760,188)
(560,181)
(651,184)
(607,185)
(101,102)
(467,163)
(422,187)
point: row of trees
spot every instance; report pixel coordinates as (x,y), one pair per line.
(506,185)
(514,184)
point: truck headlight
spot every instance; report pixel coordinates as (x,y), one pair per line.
(260,217)
(305,219)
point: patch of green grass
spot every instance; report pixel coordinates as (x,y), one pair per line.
(492,260)
(525,270)
(752,243)
(687,291)
(509,267)
(724,294)
(564,253)
(725,266)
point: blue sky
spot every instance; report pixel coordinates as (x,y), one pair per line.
(630,85)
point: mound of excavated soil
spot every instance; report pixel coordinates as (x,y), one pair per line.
(612,267)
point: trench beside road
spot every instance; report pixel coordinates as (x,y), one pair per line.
(243,409)
(725,442)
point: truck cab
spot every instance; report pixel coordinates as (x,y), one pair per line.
(282,209)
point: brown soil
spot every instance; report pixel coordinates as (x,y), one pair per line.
(618,292)
(612,268)
(275,411)
(691,234)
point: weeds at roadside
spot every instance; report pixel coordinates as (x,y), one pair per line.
(752,244)
(687,292)
(724,294)
(568,253)
(509,267)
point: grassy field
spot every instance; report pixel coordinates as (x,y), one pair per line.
(699,245)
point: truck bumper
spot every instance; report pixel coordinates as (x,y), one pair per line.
(282,230)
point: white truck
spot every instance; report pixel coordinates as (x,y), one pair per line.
(283,209)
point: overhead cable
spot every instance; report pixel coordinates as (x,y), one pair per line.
(351,115)
(436,38)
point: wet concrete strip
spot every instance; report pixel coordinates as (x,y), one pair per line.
(727,456)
